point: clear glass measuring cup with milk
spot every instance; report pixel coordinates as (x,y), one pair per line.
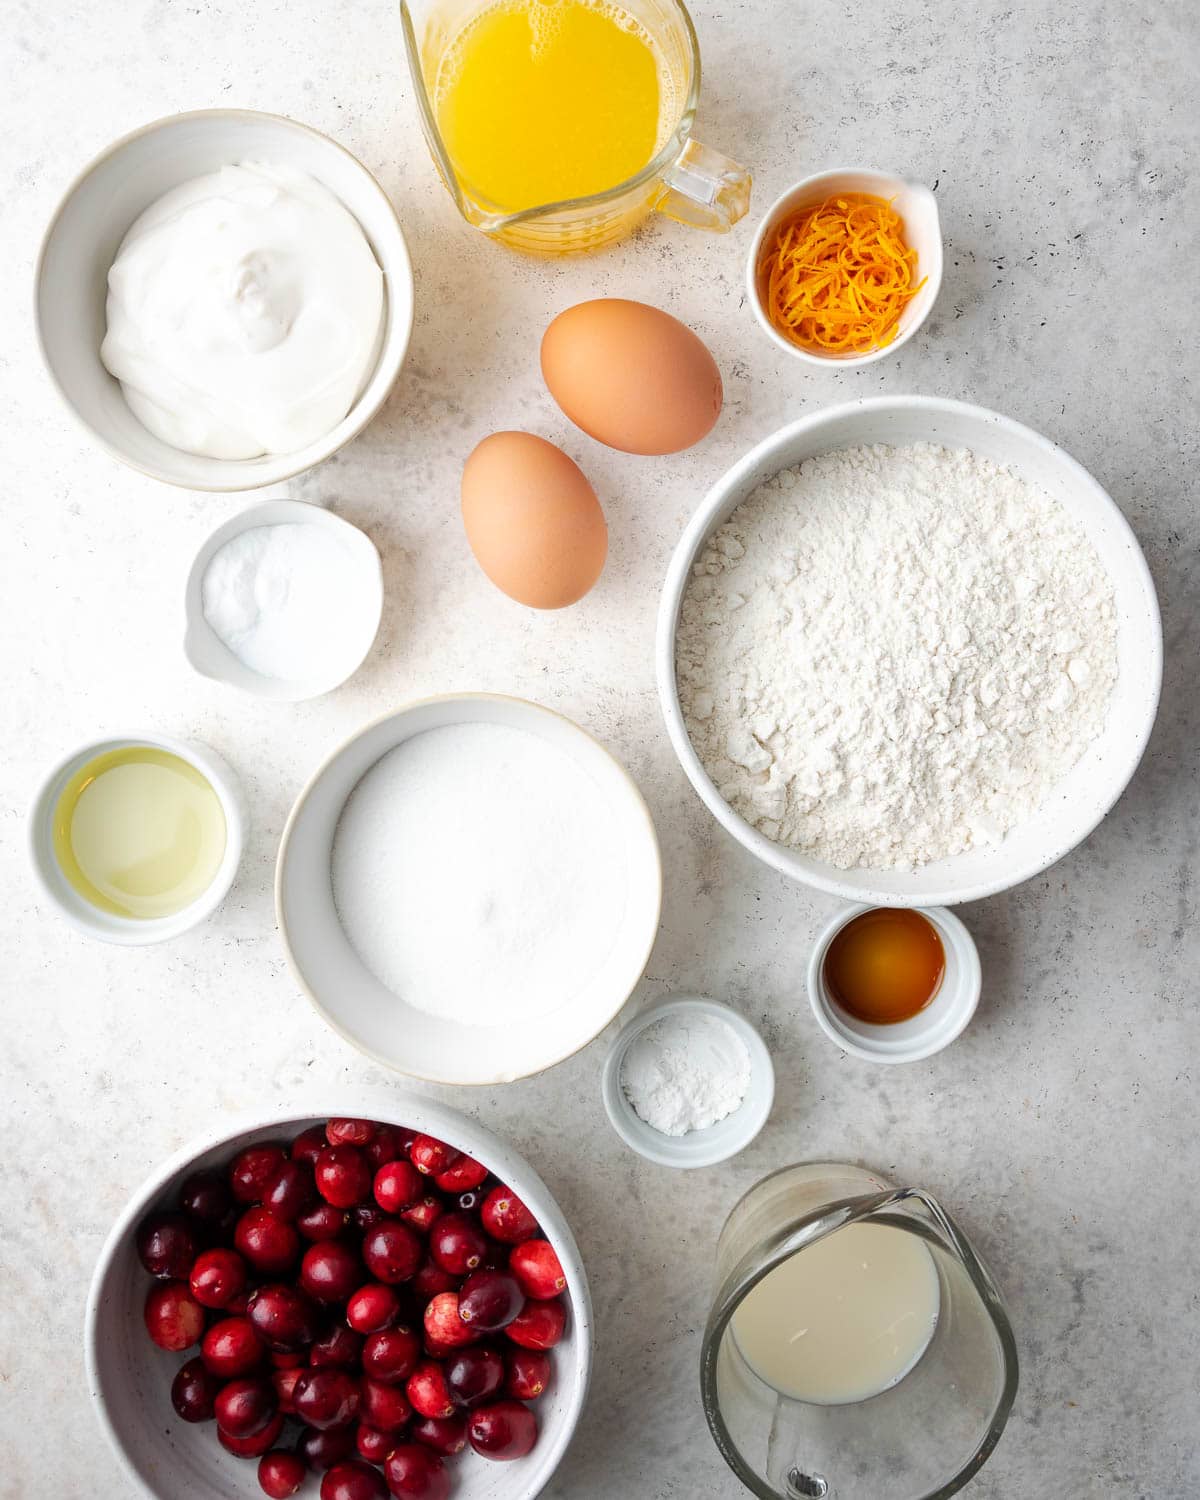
(857,1345)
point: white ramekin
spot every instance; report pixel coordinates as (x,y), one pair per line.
(131,931)
(943,1020)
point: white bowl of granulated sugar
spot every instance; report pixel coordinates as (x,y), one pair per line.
(469,889)
(909,651)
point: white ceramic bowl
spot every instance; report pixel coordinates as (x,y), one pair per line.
(359,1006)
(212,658)
(699,1148)
(943,1020)
(1099,778)
(916,205)
(130,1379)
(131,931)
(81,243)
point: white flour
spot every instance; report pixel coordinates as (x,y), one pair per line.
(478,874)
(685,1072)
(889,655)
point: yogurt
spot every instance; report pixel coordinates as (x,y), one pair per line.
(245,310)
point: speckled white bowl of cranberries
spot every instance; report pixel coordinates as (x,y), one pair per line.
(382,1302)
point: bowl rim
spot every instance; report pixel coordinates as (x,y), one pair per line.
(970,987)
(638,805)
(778,856)
(142,932)
(933,273)
(361,413)
(756,1106)
(452,1124)
(274,511)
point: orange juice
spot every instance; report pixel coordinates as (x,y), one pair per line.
(543,100)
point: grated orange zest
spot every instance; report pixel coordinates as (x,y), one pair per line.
(837,276)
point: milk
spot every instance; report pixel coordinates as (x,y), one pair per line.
(843,1319)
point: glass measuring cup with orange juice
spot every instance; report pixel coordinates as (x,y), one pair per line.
(558,125)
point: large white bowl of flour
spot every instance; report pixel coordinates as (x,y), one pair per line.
(798,643)
(469,889)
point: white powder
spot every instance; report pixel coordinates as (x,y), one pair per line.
(890,655)
(685,1072)
(287,600)
(479,874)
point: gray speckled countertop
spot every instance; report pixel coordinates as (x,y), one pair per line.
(1061,1128)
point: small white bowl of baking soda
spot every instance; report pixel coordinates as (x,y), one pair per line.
(688,1083)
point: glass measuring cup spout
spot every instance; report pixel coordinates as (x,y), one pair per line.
(837,1238)
(683,179)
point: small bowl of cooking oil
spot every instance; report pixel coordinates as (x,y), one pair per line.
(894,984)
(137,838)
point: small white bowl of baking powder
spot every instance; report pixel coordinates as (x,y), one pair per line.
(688,1083)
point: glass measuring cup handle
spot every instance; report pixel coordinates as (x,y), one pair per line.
(705,189)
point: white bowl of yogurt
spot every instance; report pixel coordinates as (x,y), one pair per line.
(469,889)
(258,309)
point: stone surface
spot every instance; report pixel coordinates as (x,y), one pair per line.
(1061,1127)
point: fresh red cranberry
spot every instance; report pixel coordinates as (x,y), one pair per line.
(397,1184)
(392,1252)
(257,1443)
(194,1390)
(280,1473)
(391,1355)
(174,1319)
(431,1156)
(445,1435)
(167,1246)
(245,1406)
(427,1391)
(539,1325)
(284,1317)
(339,1346)
(308,1145)
(490,1300)
(205,1197)
(474,1375)
(384,1406)
(268,1244)
(287,1359)
(291,1191)
(330,1271)
(430,1279)
(435,1349)
(232,1347)
(323,1222)
(217,1278)
(504,1430)
(350,1132)
(506,1218)
(384,1146)
(444,1325)
(416,1473)
(353,1480)
(327,1397)
(284,1382)
(372,1444)
(424,1213)
(252,1169)
(526,1373)
(466,1173)
(373,1307)
(343,1176)
(324,1447)
(457,1244)
(537,1269)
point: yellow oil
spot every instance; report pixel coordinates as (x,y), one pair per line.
(139,832)
(538,101)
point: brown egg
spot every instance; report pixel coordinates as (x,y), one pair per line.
(532,519)
(631,376)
